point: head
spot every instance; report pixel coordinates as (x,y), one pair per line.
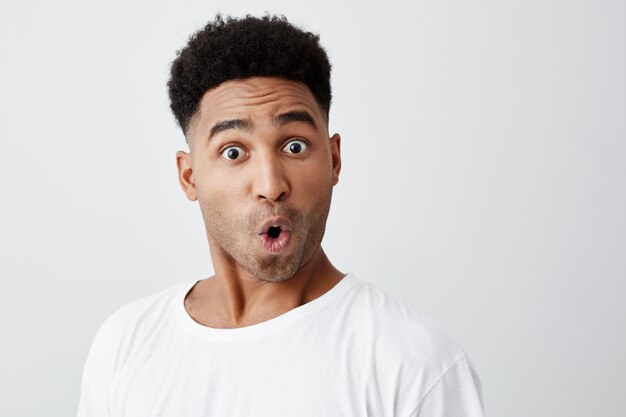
(236,49)
(253,98)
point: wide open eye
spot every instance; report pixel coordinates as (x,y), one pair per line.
(232,153)
(295,146)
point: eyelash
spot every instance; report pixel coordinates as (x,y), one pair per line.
(306,143)
(223,149)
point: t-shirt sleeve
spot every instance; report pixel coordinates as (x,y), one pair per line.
(458,393)
(99,368)
(91,403)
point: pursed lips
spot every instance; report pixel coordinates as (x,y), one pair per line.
(280,222)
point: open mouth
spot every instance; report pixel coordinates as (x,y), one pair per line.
(275,234)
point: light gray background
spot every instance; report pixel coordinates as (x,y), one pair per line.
(483,181)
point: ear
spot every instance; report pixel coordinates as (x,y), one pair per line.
(335,151)
(185,174)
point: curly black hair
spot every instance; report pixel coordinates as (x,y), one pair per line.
(242,48)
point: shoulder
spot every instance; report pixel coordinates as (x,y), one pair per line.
(129,322)
(150,303)
(113,343)
(422,352)
(143,309)
(418,338)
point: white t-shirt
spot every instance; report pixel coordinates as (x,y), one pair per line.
(354,351)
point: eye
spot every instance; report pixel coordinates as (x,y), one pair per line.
(295,146)
(232,153)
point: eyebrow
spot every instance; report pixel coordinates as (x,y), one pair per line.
(295,116)
(280,120)
(229,124)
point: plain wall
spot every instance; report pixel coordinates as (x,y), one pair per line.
(483,182)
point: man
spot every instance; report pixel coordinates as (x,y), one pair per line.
(278,330)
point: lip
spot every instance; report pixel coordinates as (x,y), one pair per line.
(275,221)
(278,244)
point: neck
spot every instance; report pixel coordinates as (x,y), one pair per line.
(235,298)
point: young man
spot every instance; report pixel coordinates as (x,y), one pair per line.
(278,330)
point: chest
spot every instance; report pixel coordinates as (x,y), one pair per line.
(300,377)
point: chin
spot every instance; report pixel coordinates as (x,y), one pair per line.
(275,269)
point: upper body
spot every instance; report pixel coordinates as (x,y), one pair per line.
(354,351)
(252,97)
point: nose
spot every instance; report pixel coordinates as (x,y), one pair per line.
(270,182)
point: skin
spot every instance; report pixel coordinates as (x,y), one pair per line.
(250,284)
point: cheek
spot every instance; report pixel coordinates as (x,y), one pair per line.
(221,187)
(311,180)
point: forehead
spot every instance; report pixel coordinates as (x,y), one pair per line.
(254,98)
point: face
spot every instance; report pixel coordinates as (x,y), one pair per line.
(262,168)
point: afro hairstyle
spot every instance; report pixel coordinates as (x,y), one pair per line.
(234,49)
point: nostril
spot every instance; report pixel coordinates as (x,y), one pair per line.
(271,197)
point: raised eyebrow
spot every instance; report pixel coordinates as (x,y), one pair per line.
(229,124)
(295,116)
